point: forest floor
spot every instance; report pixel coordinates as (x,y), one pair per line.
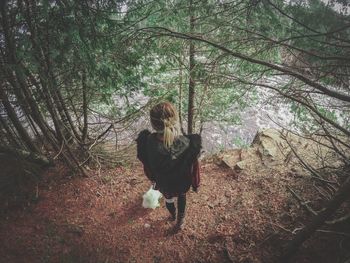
(233,218)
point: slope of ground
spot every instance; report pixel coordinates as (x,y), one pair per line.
(233,218)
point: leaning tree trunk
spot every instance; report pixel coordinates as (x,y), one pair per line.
(37,115)
(15,121)
(8,133)
(67,114)
(339,198)
(43,73)
(17,78)
(85,106)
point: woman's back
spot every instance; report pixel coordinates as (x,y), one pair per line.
(170,167)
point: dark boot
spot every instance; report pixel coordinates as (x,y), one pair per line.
(181,207)
(180,224)
(172,210)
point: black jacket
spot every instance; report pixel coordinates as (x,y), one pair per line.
(172,169)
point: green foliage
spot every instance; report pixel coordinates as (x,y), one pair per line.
(105,42)
(76,38)
(300,111)
(329,114)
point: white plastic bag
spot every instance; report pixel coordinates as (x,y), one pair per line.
(151,198)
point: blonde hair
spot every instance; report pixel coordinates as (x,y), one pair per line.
(164,119)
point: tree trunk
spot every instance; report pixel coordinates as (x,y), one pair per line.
(74,109)
(10,136)
(14,119)
(32,125)
(37,116)
(18,80)
(191,86)
(42,71)
(85,105)
(180,96)
(67,114)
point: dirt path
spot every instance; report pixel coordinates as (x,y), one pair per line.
(233,218)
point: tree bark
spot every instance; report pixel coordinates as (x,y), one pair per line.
(14,119)
(37,116)
(67,114)
(10,136)
(191,86)
(74,109)
(180,95)
(85,105)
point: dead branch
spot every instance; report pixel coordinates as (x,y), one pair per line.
(339,220)
(314,173)
(302,202)
(318,220)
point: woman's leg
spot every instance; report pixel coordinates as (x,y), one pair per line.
(181,209)
(169,203)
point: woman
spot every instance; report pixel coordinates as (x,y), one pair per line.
(170,160)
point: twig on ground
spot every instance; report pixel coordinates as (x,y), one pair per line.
(339,220)
(309,208)
(322,192)
(333,232)
(282,227)
(307,167)
(302,202)
(55,157)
